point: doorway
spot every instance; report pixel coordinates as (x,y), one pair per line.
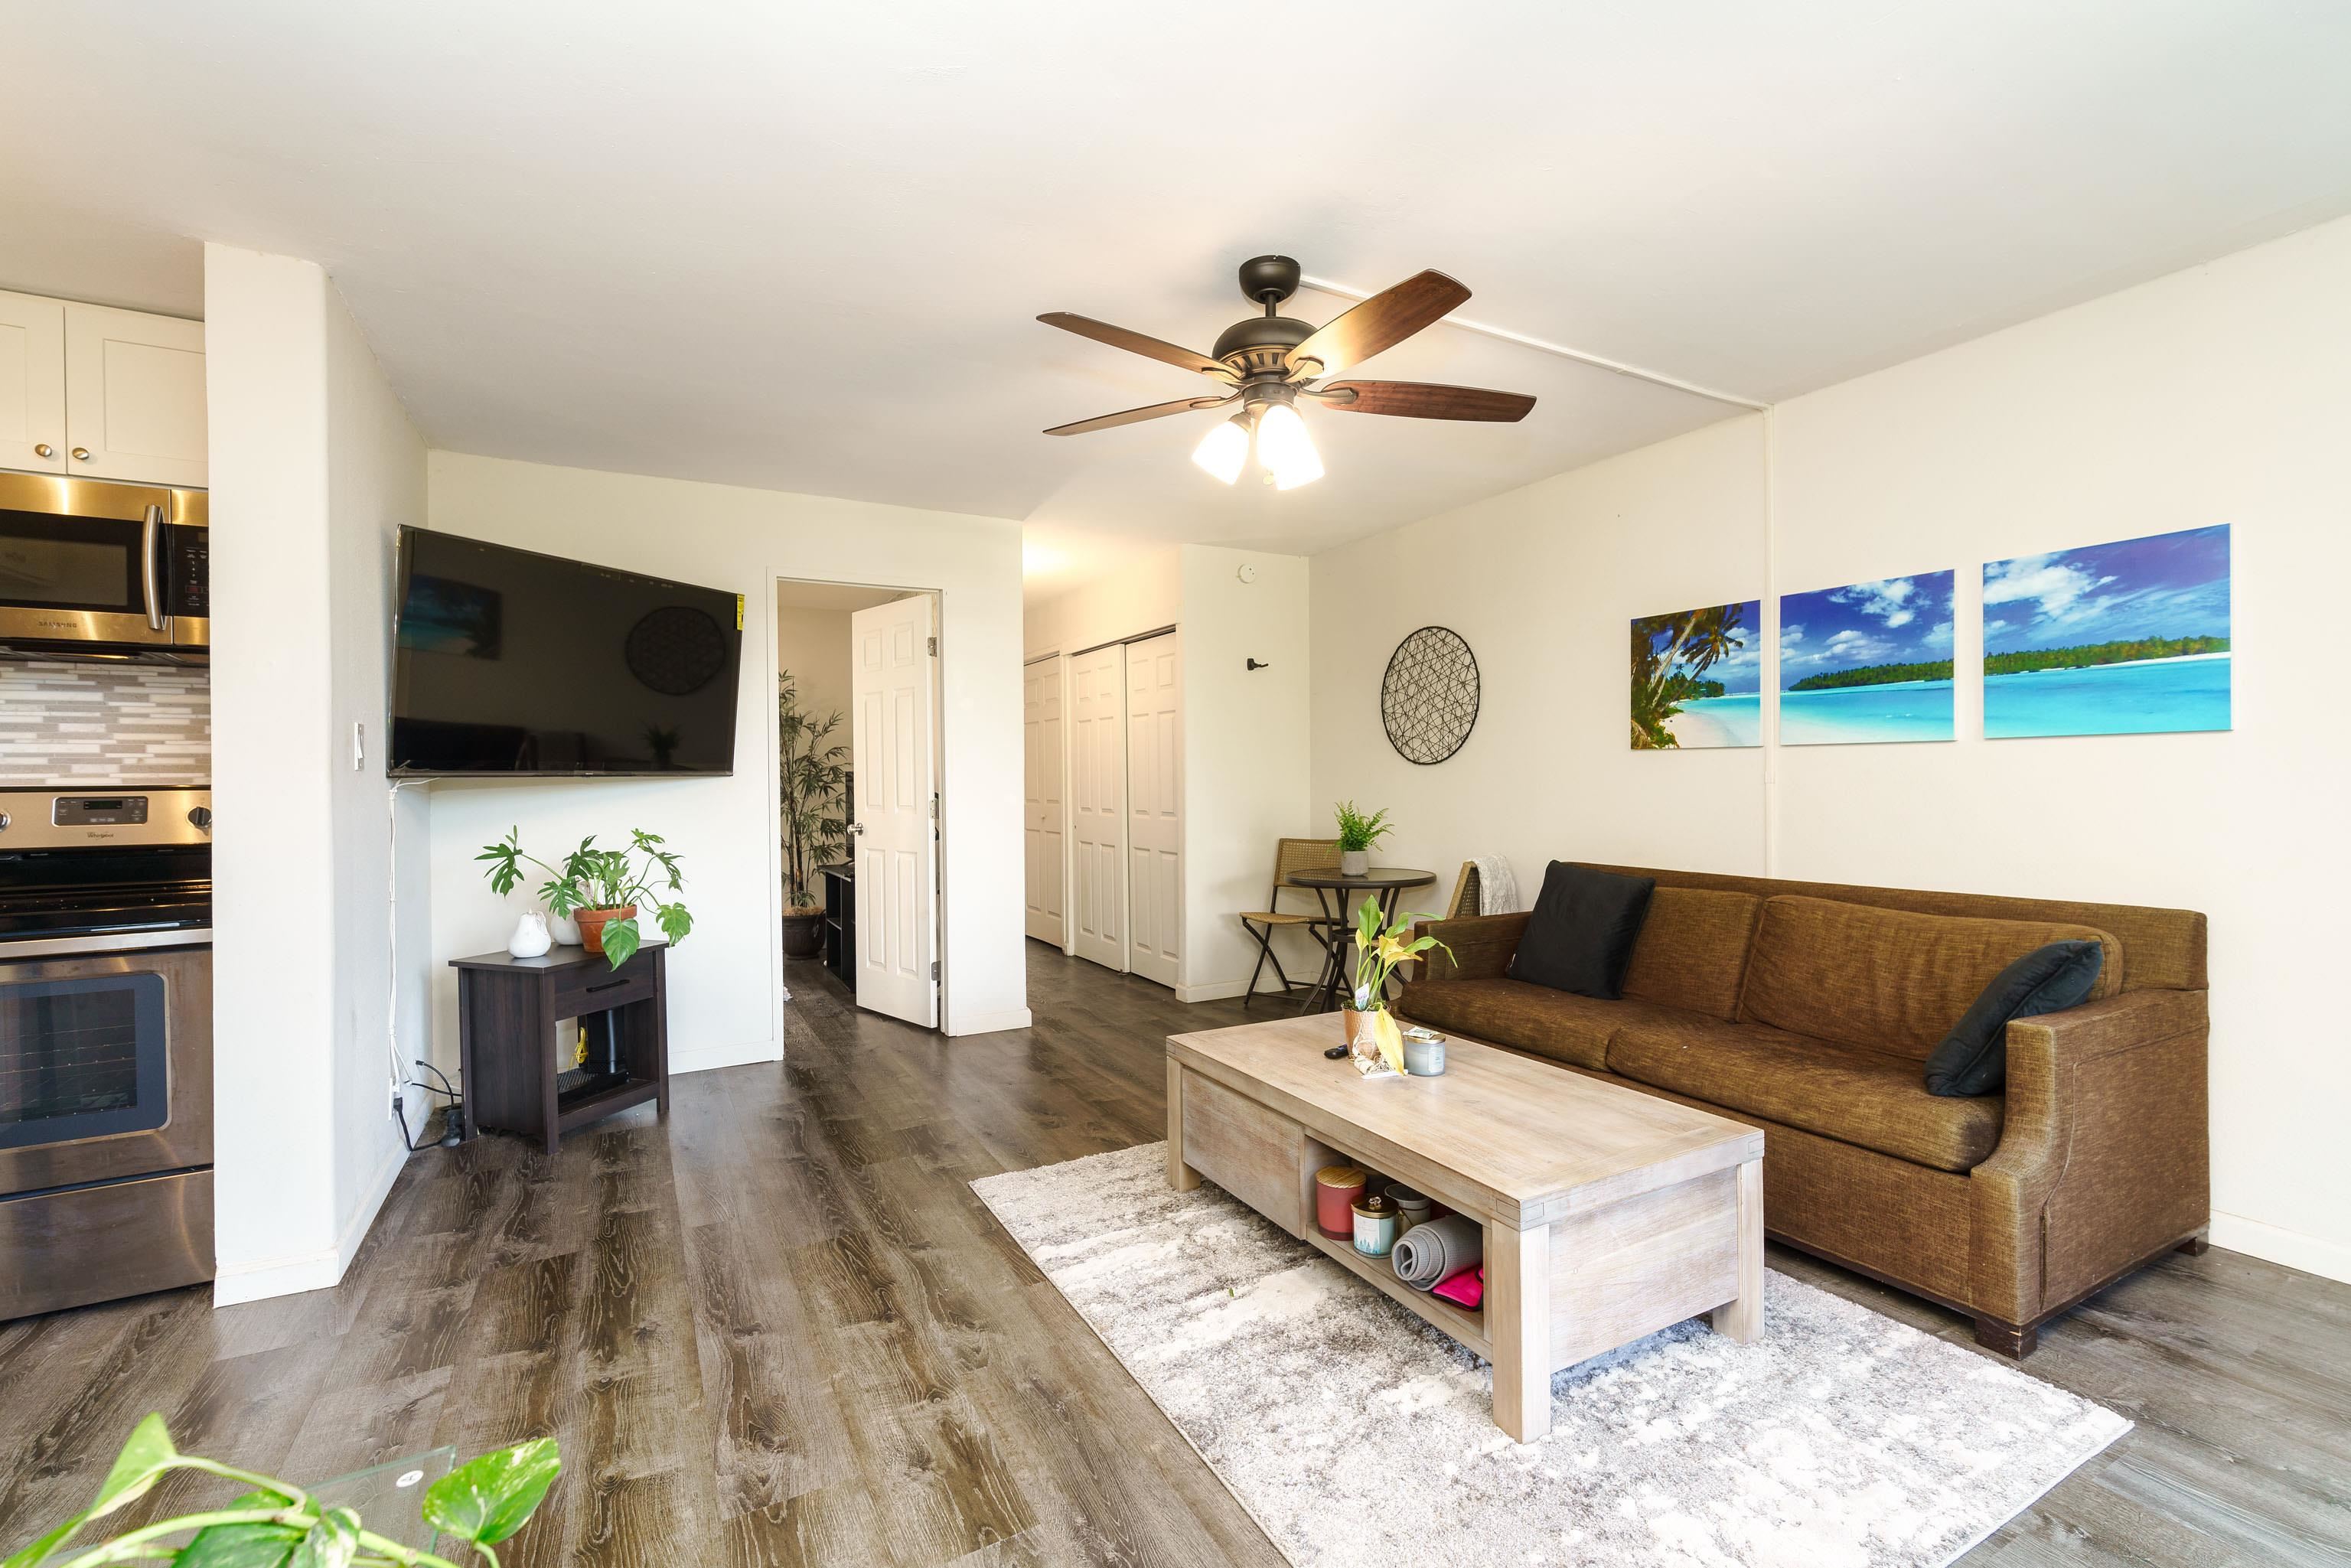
(860,665)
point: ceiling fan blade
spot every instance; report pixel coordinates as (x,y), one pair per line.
(1137,416)
(1424,400)
(1136,344)
(1381,321)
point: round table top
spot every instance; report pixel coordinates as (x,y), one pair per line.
(1378,877)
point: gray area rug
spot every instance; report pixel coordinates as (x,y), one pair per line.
(1355,1434)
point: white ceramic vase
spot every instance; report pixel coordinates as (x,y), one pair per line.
(1354,863)
(530,939)
(563,928)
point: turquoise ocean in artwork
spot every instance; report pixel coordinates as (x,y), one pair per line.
(1707,722)
(2143,698)
(1898,710)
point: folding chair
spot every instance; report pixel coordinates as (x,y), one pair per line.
(1290,856)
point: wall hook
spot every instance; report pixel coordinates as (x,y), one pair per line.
(1255,666)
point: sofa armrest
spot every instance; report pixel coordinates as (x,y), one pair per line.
(2103,1157)
(1482,946)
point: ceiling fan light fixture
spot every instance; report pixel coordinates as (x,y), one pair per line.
(1285,448)
(1223,451)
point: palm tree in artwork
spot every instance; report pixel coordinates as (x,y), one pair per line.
(1666,674)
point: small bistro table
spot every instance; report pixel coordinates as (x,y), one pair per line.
(1337,927)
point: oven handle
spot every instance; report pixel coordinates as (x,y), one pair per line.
(106,942)
(150,533)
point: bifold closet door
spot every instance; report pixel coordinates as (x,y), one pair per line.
(1155,808)
(1040,759)
(1097,908)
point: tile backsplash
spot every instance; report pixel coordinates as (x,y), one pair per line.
(104,723)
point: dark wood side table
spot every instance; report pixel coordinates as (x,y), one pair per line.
(519,1072)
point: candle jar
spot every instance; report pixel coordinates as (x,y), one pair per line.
(1411,1208)
(1336,1190)
(1375,1226)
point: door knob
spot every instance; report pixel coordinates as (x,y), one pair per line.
(855,828)
(82,453)
(43,449)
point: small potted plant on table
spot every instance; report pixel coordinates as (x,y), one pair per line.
(1357,834)
(815,827)
(598,889)
(1373,1039)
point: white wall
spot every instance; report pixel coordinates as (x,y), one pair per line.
(1246,741)
(2221,394)
(814,644)
(312,463)
(1143,596)
(727,978)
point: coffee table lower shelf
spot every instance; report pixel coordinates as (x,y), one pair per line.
(1456,1322)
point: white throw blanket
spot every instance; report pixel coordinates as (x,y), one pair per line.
(1498,890)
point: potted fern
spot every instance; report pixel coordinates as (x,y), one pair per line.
(1357,834)
(813,770)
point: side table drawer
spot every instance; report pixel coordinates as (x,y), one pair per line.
(1252,1153)
(596,988)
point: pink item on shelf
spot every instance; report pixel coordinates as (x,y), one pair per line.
(1468,1288)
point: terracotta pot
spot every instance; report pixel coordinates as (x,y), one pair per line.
(591,924)
(803,933)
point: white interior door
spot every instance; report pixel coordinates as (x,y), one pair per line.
(893,703)
(1098,806)
(1155,808)
(1040,753)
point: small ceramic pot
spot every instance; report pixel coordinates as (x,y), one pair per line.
(803,933)
(592,922)
(565,931)
(1354,863)
(530,939)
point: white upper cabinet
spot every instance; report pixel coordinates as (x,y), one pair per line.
(32,383)
(134,397)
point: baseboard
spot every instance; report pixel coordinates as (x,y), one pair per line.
(1213,991)
(267,1277)
(990,1022)
(2311,1254)
(363,1219)
(716,1056)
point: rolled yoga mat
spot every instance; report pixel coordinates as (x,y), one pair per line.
(1438,1250)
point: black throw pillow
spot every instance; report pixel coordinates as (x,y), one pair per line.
(1973,1058)
(1580,936)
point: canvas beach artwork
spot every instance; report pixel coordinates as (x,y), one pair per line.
(2129,638)
(1870,662)
(1697,678)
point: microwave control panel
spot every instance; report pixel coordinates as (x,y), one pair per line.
(187,570)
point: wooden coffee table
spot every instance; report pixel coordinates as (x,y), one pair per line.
(1608,1214)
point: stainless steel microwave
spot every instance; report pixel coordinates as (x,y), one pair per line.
(89,568)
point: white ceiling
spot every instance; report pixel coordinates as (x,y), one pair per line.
(800,246)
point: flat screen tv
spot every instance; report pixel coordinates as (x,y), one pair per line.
(509,663)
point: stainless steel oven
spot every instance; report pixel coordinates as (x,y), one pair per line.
(105,1064)
(88,567)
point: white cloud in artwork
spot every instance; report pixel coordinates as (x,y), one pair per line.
(1940,634)
(2044,580)
(1890,601)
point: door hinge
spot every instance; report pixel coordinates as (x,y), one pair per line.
(935,647)
(935,968)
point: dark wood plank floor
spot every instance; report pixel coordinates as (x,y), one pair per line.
(781,1329)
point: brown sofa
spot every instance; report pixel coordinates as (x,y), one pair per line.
(1808,1008)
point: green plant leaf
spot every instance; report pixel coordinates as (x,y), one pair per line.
(622,939)
(486,1500)
(254,1545)
(676,922)
(144,1458)
(332,1542)
(40,1551)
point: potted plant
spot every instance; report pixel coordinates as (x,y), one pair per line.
(273,1522)
(1357,834)
(1372,1037)
(810,783)
(598,889)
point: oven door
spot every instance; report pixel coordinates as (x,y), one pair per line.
(105,1067)
(83,562)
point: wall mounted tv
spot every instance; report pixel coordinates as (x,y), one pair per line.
(509,663)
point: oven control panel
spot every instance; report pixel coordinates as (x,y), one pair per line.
(99,811)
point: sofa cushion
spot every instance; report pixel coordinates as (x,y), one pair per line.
(1559,1025)
(1580,936)
(1692,950)
(1871,1098)
(1973,1058)
(1887,980)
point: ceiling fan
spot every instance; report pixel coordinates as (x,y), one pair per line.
(1269,362)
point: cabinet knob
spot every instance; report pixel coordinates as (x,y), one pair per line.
(43,449)
(82,453)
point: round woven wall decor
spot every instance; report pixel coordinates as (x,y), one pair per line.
(675,650)
(1428,698)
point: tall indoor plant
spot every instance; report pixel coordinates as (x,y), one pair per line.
(810,783)
(600,889)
